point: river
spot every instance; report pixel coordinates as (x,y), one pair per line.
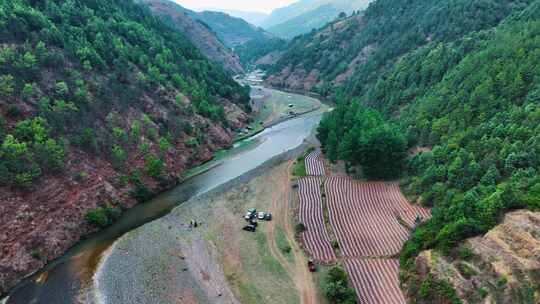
(62,280)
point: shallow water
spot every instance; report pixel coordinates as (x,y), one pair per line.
(63,280)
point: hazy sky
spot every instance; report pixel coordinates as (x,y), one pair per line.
(244,5)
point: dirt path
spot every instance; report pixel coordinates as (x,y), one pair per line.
(282,217)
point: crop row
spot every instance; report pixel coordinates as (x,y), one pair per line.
(364,217)
(315,236)
(376,281)
(315,163)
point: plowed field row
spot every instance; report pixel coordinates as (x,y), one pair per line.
(364,217)
(315,238)
(375,280)
(315,163)
(364,222)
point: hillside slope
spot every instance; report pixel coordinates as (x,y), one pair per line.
(360,47)
(284,14)
(233,31)
(500,267)
(462,93)
(202,37)
(247,41)
(101,105)
(255,18)
(305,16)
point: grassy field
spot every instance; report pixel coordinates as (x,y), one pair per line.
(283,244)
(299,168)
(254,274)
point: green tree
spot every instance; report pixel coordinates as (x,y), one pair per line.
(119,156)
(153,166)
(61,89)
(7,84)
(336,287)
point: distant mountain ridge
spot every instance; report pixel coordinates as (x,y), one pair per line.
(255,18)
(204,38)
(231,30)
(303,16)
(225,39)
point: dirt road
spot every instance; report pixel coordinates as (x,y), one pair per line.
(296,269)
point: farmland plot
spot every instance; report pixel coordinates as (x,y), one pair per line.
(364,222)
(407,212)
(315,163)
(375,280)
(315,238)
(364,216)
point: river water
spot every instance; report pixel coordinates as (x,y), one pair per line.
(62,280)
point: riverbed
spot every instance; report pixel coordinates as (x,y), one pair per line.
(67,279)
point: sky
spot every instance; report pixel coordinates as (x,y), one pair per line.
(265,6)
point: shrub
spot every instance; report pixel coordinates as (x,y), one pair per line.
(153,166)
(465,253)
(299,228)
(119,156)
(336,287)
(103,216)
(141,193)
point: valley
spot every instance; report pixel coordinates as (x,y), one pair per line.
(76,270)
(306,151)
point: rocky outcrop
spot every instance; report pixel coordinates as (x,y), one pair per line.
(503,266)
(199,34)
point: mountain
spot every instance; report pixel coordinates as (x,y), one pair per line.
(323,58)
(238,43)
(101,105)
(303,16)
(255,18)
(457,84)
(198,33)
(355,49)
(233,31)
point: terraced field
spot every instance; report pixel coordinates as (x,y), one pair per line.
(364,217)
(371,221)
(375,280)
(315,238)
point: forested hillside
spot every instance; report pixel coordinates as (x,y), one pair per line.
(245,41)
(198,33)
(356,50)
(233,31)
(463,91)
(101,104)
